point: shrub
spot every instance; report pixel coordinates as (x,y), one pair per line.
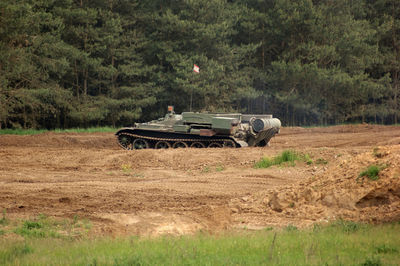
(38,229)
(263,163)
(288,156)
(347,226)
(307,159)
(372,262)
(32,225)
(372,172)
(386,249)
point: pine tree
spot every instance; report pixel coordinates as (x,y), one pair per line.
(385,17)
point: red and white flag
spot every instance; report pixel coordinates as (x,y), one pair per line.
(196,68)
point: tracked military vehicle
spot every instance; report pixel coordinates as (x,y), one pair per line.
(200,130)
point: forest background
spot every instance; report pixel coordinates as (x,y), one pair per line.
(82,63)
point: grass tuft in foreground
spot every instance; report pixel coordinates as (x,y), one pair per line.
(372,172)
(46,228)
(341,243)
(348,226)
(286,157)
(14,252)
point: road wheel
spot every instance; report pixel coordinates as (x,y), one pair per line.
(197,145)
(215,145)
(162,145)
(229,144)
(125,141)
(179,144)
(139,144)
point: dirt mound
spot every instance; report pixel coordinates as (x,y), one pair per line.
(359,128)
(61,140)
(338,192)
(181,191)
(338,136)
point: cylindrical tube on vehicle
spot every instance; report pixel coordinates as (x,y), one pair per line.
(260,124)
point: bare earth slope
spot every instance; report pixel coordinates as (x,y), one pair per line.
(180,191)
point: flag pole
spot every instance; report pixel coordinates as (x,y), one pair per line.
(191,95)
(196,69)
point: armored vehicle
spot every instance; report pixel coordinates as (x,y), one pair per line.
(200,130)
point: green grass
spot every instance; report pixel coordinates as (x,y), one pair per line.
(348,226)
(372,172)
(71,130)
(45,227)
(286,157)
(219,168)
(22,131)
(37,229)
(321,161)
(206,169)
(12,253)
(385,249)
(341,243)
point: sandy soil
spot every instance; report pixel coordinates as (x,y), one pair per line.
(181,191)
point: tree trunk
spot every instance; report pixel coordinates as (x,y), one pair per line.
(287,114)
(263,48)
(86,69)
(76,80)
(396,95)
(113,78)
(65,119)
(293,116)
(24,117)
(58,120)
(263,105)
(85,83)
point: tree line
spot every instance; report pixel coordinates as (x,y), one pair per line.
(81,63)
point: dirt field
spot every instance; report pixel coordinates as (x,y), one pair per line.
(181,191)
